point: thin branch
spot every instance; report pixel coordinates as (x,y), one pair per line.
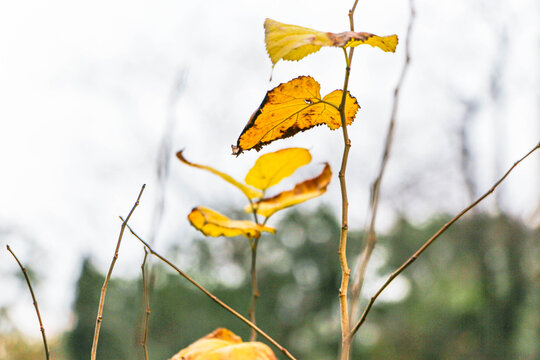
(146,300)
(253,272)
(164,154)
(351,14)
(212,296)
(471,108)
(254,288)
(254,243)
(342,251)
(371,237)
(41,327)
(99,317)
(431,240)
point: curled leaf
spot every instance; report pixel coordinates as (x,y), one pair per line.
(303,191)
(291,42)
(271,168)
(223,344)
(212,223)
(293,107)
(249,192)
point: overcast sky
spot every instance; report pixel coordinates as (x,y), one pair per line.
(88,91)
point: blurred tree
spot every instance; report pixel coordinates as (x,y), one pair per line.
(120,315)
(474,294)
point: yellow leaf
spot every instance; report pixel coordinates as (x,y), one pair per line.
(303,191)
(223,344)
(291,42)
(212,223)
(249,192)
(271,168)
(293,107)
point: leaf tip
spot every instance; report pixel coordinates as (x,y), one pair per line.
(180,156)
(236,150)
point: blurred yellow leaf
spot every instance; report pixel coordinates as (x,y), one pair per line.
(293,107)
(303,191)
(249,192)
(223,344)
(212,223)
(271,168)
(291,42)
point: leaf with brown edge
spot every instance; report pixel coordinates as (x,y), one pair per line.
(223,344)
(303,191)
(212,223)
(271,168)
(291,42)
(248,191)
(293,107)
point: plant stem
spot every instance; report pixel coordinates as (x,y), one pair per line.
(371,237)
(41,327)
(99,317)
(254,288)
(253,272)
(146,300)
(345,271)
(342,252)
(431,240)
(213,297)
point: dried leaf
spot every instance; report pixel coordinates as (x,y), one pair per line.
(223,344)
(303,191)
(212,223)
(291,42)
(293,107)
(271,168)
(249,192)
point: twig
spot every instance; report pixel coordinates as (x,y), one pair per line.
(254,288)
(212,296)
(146,299)
(254,243)
(431,240)
(164,154)
(99,317)
(41,327)
(371,237)
(342,251)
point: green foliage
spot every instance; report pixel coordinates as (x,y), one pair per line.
(469,295)
(17,346)
(117,336)
(472,295)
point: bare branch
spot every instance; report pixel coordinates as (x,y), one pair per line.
(164,154)
(99,317)
(254,288)
(431,240)
(342,251)
(212,296)
(41,327)
(371,237)
(146,304)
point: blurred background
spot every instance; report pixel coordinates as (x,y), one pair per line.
(95,99)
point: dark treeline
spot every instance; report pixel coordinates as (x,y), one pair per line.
(474,295)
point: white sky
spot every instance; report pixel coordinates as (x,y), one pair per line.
(85,96)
